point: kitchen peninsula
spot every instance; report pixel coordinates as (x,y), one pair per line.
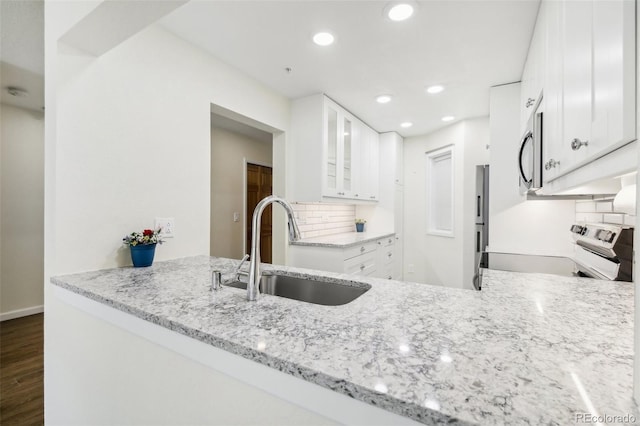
(528,349)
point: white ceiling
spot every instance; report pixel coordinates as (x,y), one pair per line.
(467,46)
(22,51)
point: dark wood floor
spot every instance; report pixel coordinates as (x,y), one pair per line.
(21,371)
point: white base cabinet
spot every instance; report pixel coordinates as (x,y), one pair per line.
(373,258)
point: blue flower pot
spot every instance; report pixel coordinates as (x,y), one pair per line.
(359,227)
(142,255)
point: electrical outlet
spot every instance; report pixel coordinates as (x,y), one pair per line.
(168,226)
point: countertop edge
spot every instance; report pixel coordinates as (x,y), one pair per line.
(307,243)
(342,386)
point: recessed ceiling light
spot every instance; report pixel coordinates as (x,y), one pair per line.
(448,118)
(323,39)
(383,99)
(435,89)
(406,124)
(400,11)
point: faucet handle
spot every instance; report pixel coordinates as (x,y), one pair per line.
(242,261)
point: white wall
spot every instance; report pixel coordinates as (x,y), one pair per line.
(435,259)
(539,227)
(229,150)
(133,143)
(21,211)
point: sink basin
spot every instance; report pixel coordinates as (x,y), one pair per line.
(312,290)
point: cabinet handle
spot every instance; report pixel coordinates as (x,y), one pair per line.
(576,144)
(389,277)
(551,164)
(389,254)
(530,102)
(373,197)
(362,249)
(356,195)
(390,240)
(362,267)
(340,193)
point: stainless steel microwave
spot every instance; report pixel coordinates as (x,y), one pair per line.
(530,152)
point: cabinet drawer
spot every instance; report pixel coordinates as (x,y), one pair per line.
(367,270)
(386,255)
(359,250)
(387,273)
(360,264)
(386,241)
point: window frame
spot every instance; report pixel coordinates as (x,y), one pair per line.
(443,153)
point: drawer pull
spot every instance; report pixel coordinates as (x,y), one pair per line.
(390,240)
(389,277)
(362,249)
(389,254)
(362,267)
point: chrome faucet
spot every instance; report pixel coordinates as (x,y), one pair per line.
(255,274)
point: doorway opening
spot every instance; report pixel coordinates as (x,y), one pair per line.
(241,171)
(259,185)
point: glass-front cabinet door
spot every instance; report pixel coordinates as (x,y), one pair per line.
(347,171)
(331,182)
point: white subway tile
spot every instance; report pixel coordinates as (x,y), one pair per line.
(629,220)
(604,206)
(614,218)
(585,206)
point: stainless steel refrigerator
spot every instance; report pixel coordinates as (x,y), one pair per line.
(481,205)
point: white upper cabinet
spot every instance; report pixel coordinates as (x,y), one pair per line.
(533,74)
(369,164)
(335,154)
(614,75)
(589,81)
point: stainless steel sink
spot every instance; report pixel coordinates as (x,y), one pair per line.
(312,290)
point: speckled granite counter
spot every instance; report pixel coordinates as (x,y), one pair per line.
(528,349)
(342,240)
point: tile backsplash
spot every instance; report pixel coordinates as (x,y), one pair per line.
(601,211)
(320,219)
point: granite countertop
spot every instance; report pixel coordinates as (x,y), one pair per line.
(345,240)
(527,349)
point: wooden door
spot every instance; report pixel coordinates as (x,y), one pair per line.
(259,186)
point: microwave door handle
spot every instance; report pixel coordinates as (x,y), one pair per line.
(524,142)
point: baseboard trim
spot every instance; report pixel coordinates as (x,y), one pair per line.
(18,313)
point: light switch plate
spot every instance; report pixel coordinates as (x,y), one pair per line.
(236,216)
(168,226)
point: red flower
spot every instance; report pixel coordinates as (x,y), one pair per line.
(147,232)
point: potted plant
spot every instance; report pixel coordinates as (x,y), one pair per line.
(360,225)
(143,246)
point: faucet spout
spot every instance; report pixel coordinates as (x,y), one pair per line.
(255,273)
